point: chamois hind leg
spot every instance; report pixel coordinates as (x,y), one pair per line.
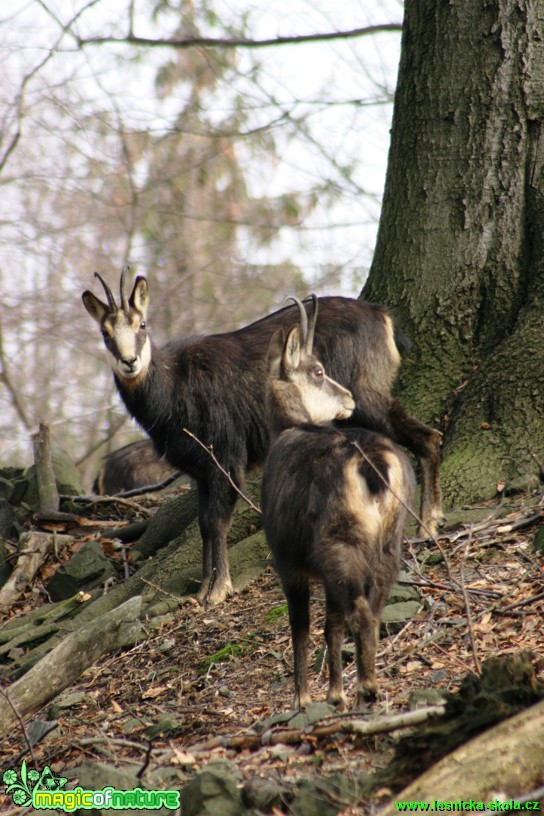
(297,593)
(424,442)
(334,637)
(363,625)
(215,508)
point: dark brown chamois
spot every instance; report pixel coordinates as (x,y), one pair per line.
(330,512)
(215,387)
(133,466)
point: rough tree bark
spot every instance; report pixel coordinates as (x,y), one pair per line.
(459,254)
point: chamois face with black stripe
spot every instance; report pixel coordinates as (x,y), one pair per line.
(298,389)
(124,329)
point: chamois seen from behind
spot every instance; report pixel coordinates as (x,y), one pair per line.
(334,505)
(214,386)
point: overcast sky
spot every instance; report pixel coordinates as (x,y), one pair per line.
(301,77)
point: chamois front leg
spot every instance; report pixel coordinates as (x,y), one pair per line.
(215,508)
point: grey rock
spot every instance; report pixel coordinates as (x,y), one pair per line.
(261,794)
(395,616)
(87,569)
(400,593)
(214,792)
(422,698)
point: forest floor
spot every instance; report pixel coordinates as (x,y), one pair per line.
(205,674)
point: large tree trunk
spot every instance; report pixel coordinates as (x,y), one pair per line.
(459,252)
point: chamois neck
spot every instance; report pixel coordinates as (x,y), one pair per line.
(285,408)
(150,397)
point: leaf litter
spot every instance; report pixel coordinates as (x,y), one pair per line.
(200,686)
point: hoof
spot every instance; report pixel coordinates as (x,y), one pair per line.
(365,698)
(431,529)
(213,592)
(301,703)
(338,700)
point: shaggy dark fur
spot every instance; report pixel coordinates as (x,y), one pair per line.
(329,515)
(134,465)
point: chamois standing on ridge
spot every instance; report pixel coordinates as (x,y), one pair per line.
(330,512)
(215,387)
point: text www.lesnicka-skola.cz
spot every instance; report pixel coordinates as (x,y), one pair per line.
(468,805)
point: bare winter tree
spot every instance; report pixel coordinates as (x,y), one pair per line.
(190,151)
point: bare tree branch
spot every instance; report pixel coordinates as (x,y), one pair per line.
(241,42)
(219,466)
(19,101)
(5,377)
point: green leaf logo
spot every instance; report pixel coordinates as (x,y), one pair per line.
(21,789)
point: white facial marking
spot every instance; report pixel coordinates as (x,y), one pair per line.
(128,363)
(326,401)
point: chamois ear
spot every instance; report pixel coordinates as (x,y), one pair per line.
(139,298)
(94,306)
(275,351)
(291,351)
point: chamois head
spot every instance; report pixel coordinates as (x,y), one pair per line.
(298,389)
(123,327)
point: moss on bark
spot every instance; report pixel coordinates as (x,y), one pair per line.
(459,250)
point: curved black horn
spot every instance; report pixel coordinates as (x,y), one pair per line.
(303,319)
(309,343)
(124,299)
(111,299)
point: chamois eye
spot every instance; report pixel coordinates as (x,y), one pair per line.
(143,324)
(319,373)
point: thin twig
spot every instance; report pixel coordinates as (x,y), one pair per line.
(468,610)
(240,42)
(429,583)
(157,588)
(135,491)
(20,98)
(343,724)
(439,634)
(122,502)
(211,454)
(117,743)
(538,463)
(21,723)
(526,602)
(147,759)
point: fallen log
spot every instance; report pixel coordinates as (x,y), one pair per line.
(506,761)
(34,548)
(67,661)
